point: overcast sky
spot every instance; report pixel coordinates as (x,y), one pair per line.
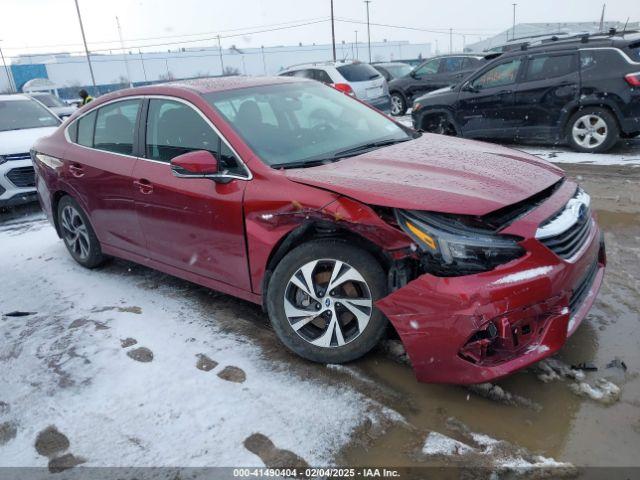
(26,25)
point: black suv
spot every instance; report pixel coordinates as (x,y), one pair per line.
(585,91)
(432,74)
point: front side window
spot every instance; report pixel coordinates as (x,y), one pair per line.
(548,66)
(428,68)
(115,126)
(308,122)
(175,128)
(25,114)
(500,75)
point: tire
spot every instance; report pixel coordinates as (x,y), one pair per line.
(592,130)
(398,104)
(439,125)
(78,234)
(316,336)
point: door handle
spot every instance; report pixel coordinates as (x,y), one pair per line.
(144,186)
(505,92)
(76,170)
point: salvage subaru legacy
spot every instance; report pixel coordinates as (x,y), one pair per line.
(338,220)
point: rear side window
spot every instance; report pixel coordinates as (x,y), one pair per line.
(86,127)
(470,62)
(115,126)
(500,75)
(72,131)
(451,64)
(550,66)
(358,72)
(604,63)
(321,76)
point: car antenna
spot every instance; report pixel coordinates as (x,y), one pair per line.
(625,26)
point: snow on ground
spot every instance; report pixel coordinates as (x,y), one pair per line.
(111,364)
(626,152)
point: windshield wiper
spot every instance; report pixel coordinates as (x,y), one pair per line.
(367,147)
(305,163)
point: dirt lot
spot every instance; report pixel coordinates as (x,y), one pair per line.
(127,366)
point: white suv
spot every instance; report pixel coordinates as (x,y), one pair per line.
(358,79)
(22,121)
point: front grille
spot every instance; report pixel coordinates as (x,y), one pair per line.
(582,289)
(17,156)
(22,177)
(566,232)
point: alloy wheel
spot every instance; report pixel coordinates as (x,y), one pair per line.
(590,131)
(328,303)
(396,105)
(75,232)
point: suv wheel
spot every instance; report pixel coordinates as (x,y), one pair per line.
(398,104)
(321,301)
(592,130)
(78,235)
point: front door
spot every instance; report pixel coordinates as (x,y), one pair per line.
(194,224)
(486,103)
(550,83)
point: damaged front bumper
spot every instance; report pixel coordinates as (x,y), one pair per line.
(479,328)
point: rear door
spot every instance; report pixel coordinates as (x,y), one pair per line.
(99,169)
(550,83)
(486,103)
(451,71)
(193,224)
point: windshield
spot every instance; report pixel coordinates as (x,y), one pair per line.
(50,100)
(295,124)
(23,114)
(398,71)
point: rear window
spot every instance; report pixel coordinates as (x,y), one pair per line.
(25,114)
(634,51)
(358,72)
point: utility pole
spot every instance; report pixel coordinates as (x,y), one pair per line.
(264,60)
(464,42)
(333,33)
(126,60)
(357,52)
(451,40)
(144,71)
(220,52)
(6,69)
(368,29)
(513,30)
(604,6)
(86,49)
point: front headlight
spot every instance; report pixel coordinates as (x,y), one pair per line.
(454,245)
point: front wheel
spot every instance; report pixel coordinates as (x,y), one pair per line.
(398,104)
(321,298)
(592,130)
(78,235)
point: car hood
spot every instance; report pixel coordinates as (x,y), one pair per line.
(21,141)
(436,173)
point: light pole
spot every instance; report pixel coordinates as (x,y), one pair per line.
(86,49)
(367,2)
(451,40)
(357,52)
(126,60)
(220,52)
(513,30)
(333,33)
(6,69)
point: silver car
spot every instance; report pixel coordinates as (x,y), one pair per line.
(357,79)
(54,104)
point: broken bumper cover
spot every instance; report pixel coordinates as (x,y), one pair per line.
(482,327)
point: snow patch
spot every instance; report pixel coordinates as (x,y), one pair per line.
(439,444)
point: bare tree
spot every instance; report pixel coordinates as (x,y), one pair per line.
(230,71)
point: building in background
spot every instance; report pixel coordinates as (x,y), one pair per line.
(523,32)
(70,72)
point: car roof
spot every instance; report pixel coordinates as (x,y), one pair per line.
(14,96)
(323,63)
(390,64)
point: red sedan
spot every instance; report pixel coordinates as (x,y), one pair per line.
(341,222)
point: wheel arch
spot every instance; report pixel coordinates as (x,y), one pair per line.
(588,103)
(55,201)
(440,112)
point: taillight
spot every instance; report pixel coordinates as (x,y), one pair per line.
(633,79)
(344,88)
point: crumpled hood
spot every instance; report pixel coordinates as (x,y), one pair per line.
(21,141)
(436,173)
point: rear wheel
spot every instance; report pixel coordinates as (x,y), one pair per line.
(321,301)
(592,130)
(78,235)
(398,104)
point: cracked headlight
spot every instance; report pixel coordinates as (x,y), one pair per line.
(455,245)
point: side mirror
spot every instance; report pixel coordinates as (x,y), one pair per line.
(197,164)
(468,87)
(413,74)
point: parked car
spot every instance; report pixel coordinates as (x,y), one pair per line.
(357,79)
(433,74)
(583,92)
(392,70)
(335,218)
(54,104)
(22,122)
